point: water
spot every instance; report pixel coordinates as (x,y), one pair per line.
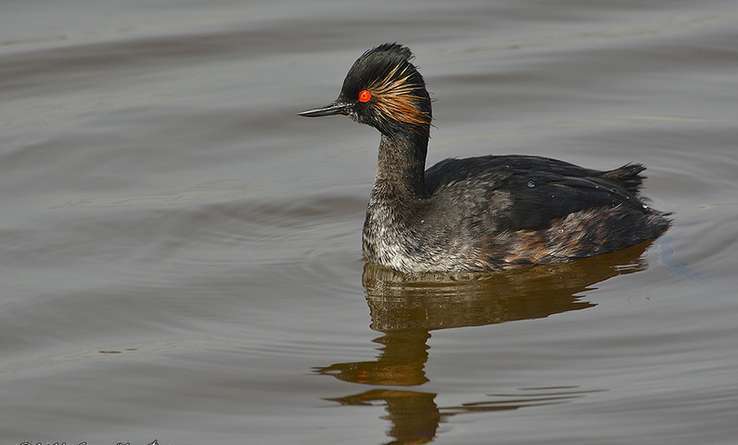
(180,254)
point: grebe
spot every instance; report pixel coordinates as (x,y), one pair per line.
(477,214)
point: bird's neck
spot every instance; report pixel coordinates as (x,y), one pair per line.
(401,165)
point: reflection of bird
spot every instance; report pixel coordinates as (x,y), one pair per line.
(401,362)
(415,416)
(406,311)
(477,214)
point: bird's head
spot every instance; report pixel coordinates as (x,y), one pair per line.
(385,90)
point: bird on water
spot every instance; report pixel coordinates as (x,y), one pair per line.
(483,213)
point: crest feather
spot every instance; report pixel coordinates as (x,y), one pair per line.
(394,48)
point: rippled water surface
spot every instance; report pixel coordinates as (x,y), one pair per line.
(180,254)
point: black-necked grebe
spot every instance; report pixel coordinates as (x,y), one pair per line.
(477,214)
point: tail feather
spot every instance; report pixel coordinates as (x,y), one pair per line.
(629,176)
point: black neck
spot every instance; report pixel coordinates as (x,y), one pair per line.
(401,164)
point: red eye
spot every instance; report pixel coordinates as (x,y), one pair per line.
(365,96)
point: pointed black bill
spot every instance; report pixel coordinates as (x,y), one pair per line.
(334,108)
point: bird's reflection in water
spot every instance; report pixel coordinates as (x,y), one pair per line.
(405,309)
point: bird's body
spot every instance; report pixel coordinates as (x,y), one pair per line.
(499,212)
(484,213)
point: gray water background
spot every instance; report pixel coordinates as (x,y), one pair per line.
(180,254)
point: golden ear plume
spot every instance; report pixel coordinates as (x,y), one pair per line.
(395,98)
